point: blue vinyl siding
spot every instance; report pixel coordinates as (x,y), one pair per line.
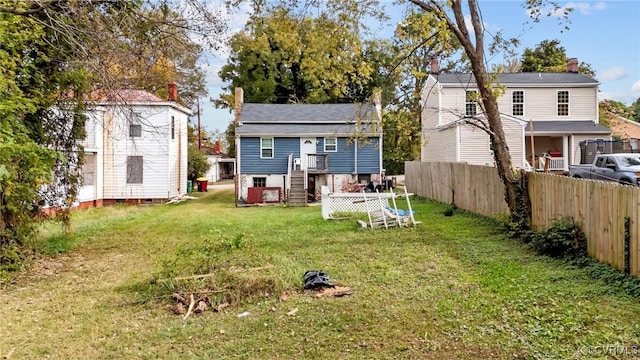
(369,157)
(251,163)
(340,162)
(343,161)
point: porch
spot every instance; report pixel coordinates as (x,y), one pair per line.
(550,153)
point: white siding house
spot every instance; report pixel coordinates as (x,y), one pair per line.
(542,114)
(135,149)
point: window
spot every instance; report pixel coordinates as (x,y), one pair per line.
(266,147)
(89,170)
(173,128)
(259,182)
(517,101)
(134,169)
(330,144)
(471,103)
(563,103)
(135,130)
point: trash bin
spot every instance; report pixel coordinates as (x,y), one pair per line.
(189,186)
(388,183)
(202,184)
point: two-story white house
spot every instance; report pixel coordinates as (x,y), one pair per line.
(542,113)
(135,148)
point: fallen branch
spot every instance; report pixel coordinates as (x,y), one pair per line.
(190,307)
(9,353)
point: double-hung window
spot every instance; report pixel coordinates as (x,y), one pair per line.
(266,148)
(330,144)
(471,105)
(563,103)
(517,101)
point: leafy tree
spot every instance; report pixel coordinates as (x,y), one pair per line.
(283,56)
(231,139)
(417,40)
(635,108)
(197,165)
(474,48)
(52,55)
(549,56)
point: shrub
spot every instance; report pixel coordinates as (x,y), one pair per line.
(562,238)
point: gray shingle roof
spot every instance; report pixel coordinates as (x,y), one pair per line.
(307,129)
(574,127)
(307,113)
(463,79)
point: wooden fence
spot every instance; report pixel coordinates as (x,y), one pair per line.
(602,209)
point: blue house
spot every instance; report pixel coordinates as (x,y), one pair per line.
(286,152)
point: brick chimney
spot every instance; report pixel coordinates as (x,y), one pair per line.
(172,90)
(572,65)
(434,66)
(239,100)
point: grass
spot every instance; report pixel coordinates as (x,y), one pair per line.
(452,287)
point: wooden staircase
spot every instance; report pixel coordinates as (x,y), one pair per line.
(297,193)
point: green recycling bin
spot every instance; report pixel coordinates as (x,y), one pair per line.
(189,186)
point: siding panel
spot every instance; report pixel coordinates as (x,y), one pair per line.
(251,163)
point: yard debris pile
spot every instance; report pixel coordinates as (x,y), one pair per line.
(190,304)
(177,199)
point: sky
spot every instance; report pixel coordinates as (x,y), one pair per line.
(604,34)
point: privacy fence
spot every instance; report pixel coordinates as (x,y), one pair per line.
(607,212)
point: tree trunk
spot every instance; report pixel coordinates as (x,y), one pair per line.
(475,52)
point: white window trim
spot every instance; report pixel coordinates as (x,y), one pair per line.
(467,103)
(264,148)
(335,144)
(513,103)
(568,103)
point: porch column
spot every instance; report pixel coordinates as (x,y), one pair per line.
(565,152)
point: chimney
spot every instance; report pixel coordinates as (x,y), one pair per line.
(239,100)
(572,65)
(435,66)
(172,90)
(217,147)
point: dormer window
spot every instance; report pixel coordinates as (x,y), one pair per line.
(471,104)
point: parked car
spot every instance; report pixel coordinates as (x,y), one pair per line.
(621,168)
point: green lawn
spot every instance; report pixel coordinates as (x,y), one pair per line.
(452,287)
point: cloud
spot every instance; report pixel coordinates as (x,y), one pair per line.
(614,73)
(636,87)
(584,8)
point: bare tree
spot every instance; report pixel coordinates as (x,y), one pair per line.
(474,48)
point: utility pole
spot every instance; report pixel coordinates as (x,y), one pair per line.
(199,141)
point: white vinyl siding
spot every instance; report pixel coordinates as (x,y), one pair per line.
(440,145)
(165,161)
(541,104)
(475,144)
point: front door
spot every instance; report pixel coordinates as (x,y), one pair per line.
(307,146)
